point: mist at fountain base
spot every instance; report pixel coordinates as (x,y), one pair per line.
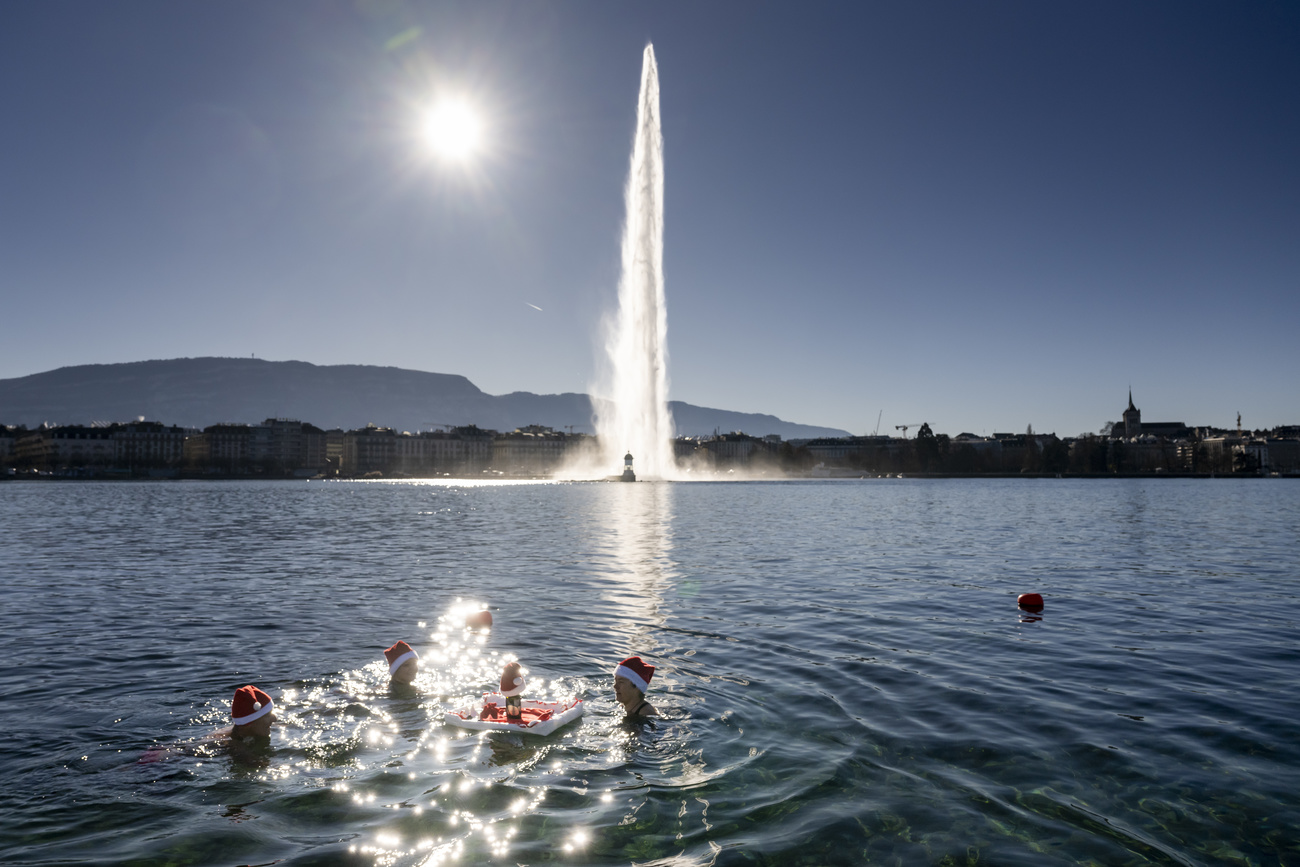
(589,462)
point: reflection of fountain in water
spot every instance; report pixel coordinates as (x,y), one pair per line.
(638,519)
(635,416)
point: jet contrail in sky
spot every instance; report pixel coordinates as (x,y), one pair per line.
(534,306)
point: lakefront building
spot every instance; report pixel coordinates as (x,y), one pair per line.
(66,448)
(1151,447)
(376,450)
(274,447)
(371,449)
(149,445)
(280,445)
(218,448)
(466,449)
(1132,419)
(7,437)
(532,450)
(141,446)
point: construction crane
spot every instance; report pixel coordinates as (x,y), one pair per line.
(876,432)
(904,427)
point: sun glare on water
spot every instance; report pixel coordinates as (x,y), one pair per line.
(454,130)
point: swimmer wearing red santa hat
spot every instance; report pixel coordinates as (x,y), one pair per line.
(251,713)
(403,663)
(631,679)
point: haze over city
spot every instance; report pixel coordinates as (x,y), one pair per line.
(983,216)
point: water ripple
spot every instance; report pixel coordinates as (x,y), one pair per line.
(842,672)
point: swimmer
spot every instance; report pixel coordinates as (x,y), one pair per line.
(403,663)
(631,679)
(248,735)
(251,713)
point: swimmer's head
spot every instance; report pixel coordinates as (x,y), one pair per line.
(403,662)
(637,671)
(251,713)
(631,679)
(633,673)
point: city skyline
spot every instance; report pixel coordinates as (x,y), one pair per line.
(981,217)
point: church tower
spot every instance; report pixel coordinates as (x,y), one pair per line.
(1132,419)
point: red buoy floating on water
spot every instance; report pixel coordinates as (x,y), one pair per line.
(1030,601)
(479,619)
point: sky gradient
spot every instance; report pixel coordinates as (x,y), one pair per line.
(981,215)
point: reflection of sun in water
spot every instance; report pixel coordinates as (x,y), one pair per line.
(454,130)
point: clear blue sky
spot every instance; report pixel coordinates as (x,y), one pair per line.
(981,214)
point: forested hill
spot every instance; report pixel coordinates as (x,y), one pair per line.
(196,392)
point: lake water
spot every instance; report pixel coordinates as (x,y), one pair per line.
(843,673)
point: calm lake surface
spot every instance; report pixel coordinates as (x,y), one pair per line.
(843,673)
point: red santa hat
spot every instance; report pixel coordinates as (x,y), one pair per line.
(637,670)
(512,680)
(249,704)
(397,655)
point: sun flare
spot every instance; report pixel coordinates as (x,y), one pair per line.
(454,130)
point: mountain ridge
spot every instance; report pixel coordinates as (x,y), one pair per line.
(197,392)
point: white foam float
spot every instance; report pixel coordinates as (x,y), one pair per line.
(539,717)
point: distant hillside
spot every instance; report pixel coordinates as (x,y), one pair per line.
(196,392)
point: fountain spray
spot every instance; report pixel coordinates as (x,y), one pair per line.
(635,418)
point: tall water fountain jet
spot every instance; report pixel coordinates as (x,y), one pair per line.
(635,417)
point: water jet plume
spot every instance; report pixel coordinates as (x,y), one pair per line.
(634,416)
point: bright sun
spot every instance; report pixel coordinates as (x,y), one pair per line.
(454,130)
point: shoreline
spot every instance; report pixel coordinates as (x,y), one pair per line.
(796,477)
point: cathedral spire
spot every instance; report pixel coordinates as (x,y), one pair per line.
(1132,418)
